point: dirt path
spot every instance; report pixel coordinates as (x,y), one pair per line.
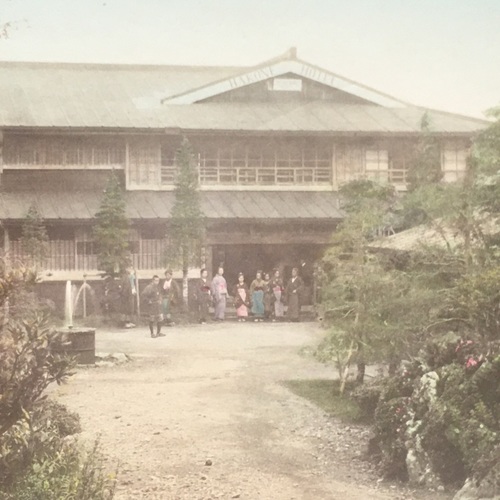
(213,393)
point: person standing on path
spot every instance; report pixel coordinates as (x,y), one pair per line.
(152,299)
(276,288)
(257,289)
(293,297)
(219,294)
(203,296)
(268,297)
(170,296)
(241,298)
(128,295)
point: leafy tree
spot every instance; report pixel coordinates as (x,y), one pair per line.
(111,230)
(425,168)
(186,226)
(34,239)
(354,276)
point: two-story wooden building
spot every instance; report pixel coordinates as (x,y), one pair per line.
(273,144)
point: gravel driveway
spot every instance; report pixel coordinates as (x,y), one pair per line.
(201,414)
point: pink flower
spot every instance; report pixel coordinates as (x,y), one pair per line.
(471,362)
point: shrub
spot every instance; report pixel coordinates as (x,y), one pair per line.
(390,426)
(71,473)
(367,396)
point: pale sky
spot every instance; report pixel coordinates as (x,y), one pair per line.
(442,54)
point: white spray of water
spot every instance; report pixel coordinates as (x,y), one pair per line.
(68,305)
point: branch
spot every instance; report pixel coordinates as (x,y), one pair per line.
(447,320)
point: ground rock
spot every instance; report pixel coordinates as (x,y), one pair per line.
(418,463)
(473,491)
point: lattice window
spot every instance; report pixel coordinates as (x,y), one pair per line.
(377,164)
(454,161)
(63,151)
(266,165)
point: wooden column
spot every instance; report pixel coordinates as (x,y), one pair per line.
(208,259)
(1,156)
(6,245)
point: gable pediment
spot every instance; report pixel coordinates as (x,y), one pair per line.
(287,75)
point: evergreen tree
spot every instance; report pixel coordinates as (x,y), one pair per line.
(34,238)
(186,226)
(111,230)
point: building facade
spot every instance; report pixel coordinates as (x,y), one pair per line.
(273,144)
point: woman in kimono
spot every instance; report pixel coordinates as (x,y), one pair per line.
(257,289)
(293,293)
(241,298)
(276,288)
(203,296)
(219,294)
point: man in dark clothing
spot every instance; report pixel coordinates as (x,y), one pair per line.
(152,298)
(128,297)
(203,296)
(293,292)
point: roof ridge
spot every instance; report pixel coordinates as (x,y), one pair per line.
(63,64)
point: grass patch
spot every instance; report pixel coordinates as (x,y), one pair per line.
(325,394)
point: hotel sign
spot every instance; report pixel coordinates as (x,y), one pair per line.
(284,69)
(287,84)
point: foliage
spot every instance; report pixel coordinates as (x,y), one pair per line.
(28,365)
(374,310)
(457,420)
(476,299)
(35,438)
(111,230)
(186,226)
(68,473)
(36,458)
(425,168)
(34,239)
(436,308)
(14,283)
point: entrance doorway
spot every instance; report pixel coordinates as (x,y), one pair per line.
(249,259)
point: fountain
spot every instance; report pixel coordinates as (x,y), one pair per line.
(78,341)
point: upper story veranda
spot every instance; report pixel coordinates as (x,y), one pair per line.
(239,162)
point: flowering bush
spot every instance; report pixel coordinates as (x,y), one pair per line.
(448,416)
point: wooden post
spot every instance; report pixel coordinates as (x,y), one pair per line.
(137,294)
(84,295)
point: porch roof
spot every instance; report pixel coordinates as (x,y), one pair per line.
(154,205)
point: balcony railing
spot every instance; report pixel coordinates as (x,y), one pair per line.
(67,255)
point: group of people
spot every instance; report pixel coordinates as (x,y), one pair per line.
(265,298)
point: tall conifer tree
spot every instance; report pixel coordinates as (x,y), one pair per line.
(111,230)
(34,238)
(185,230)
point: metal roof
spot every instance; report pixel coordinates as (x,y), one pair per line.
(96,96)
(151,205)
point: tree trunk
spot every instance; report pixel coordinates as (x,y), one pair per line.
(344,374)
(360,376)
